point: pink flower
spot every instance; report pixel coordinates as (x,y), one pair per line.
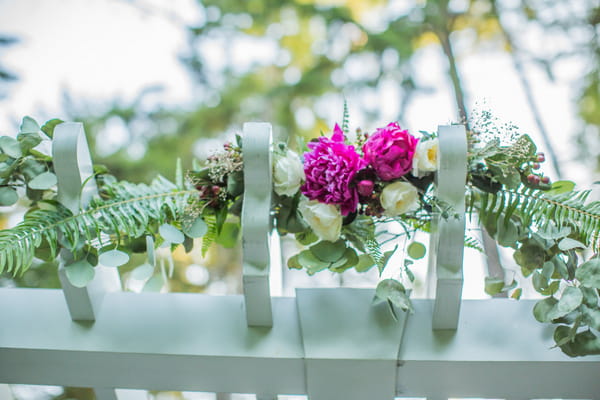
(365,187)
(390,151)
(330,168)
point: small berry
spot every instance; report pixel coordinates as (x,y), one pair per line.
(545,180)
(535,166)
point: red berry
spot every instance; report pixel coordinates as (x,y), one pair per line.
(545,180)
(535,166)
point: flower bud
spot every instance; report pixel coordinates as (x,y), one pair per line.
(365,187)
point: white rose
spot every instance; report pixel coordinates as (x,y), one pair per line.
(425,158)
(288,173)
(399,198)
(324,219)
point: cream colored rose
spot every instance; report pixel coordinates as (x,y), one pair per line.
(425,158)
(399,198)
(324,219)
(288,173)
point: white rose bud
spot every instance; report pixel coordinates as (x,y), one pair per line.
(324,219)
(399,198)
(288,173)
(425,158)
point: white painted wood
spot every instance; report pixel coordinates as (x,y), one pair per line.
(201,343)
(350,345)
(256,222)
(76,186)
(5,392)
(445,274)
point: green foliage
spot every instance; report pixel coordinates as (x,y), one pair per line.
(122,213)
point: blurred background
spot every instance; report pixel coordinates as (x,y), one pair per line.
(155,80)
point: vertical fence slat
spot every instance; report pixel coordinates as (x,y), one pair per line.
(256,222)
(447,238)
(76,186)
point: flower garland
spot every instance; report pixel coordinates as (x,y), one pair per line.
(338,199)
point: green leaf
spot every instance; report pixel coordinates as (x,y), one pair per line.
(591,316)
(560,187)
(543,308)
(150,252)
(142,272)
(28,141)
(48,127)
(348,260)
(567,244)
(8,196)
(29,125)
(229,235)
(590,296)
(493,285)
(365,263)
(571,299)
(154,284)
(294,263)
(416,250)
(196,228)
(393,291)
(307,237)
(588,274)
(10,146)
(507,232)
(79,273)
(312,264)
(327,251)
(171,234)
(43,181)
(113,258)
(516,294)
(552,232)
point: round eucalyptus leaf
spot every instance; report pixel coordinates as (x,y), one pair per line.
(196,229)
(10,146)
(365,263)
(150,252)
(393,291)
(327,251)
(43,181)
(493,285)
(29,125)
(142,272)
(171,234)
(113,258)
(560,187)
(571,298)
(567,244)
(312,264)
(293,262)
(589,273)
(416,250)
(154,284)
(541,310)
(8,196)
(80,273)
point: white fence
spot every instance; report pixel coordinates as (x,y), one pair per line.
(329,344)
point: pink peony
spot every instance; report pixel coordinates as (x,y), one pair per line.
(330,168)
(390,151)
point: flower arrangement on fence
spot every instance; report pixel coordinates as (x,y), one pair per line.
(336,197)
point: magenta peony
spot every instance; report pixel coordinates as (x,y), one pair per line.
(390,151)
(330,168)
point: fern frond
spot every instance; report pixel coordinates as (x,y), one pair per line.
(122,210)
(346,118)
(211,234)
(473,243)
(534,206)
